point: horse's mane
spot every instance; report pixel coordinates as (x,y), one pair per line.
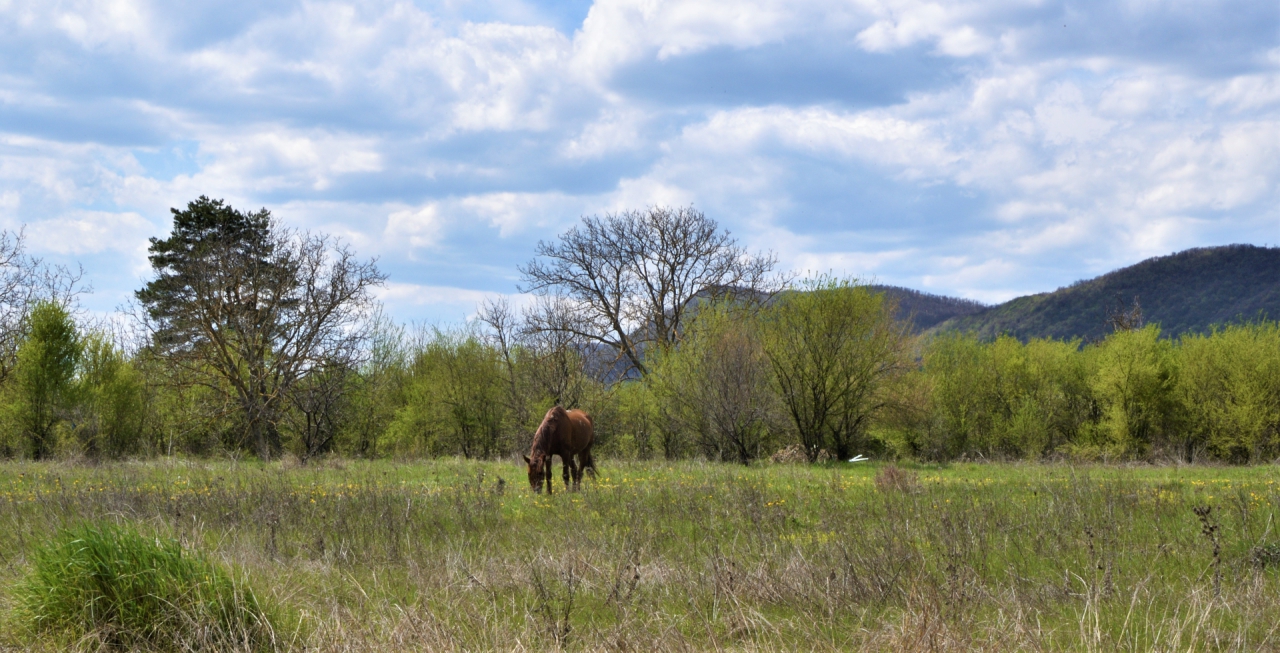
(542,437)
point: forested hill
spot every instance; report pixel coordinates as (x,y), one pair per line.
(1185,292)
(925,310)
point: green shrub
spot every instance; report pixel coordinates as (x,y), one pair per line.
(42,382)
(454,402)
(1003,399)
(834,347)
(112,410)
(1133,383)
(1230,387)
(111,582)
(715,387)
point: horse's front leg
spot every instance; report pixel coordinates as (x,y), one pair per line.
(546,474)
(568,469)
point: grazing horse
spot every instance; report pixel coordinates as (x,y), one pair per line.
(563,433)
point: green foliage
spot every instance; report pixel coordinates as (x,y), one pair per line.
(1229,384)
(1002,399)
(716,386)
(222,283)
(206,229)
(1133,385)
(826,366)
(189,417)
(1130,395)
(111,415)
(832,346)
(376,391)
(249,309)
(454,403)
(637,422)
(320,408)
(111,582)
(41,389)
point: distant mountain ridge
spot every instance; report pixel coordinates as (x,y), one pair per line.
(925,310)
(1189,291)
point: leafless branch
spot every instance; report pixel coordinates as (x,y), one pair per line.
(634,277)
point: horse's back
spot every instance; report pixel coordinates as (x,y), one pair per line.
(583,429)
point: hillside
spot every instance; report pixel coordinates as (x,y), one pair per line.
(1184,292)
(925,310)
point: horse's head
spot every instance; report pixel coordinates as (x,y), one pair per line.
(543,438)
(537,471)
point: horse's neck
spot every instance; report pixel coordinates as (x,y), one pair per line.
(542,442)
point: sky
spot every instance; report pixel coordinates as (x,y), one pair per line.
(983,149)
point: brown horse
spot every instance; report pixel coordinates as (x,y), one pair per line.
(563,433)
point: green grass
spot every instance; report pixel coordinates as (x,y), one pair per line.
(112,584)
(443,555)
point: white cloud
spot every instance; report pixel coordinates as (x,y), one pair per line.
(986,280)
(446,303)
(1065,117)
(269,157)
(415,227)
(113,24)
(513,213)
(88,232)
(902,24)
(613,132)
(418,294)
(861,265)
(617,32)
(10,201)
(468,131)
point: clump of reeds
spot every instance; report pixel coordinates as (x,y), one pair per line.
(892,478)
(112,584)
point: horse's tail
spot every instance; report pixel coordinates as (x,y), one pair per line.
(590,463)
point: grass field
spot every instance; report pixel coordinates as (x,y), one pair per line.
(460,555)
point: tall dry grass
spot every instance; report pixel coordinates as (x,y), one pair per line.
(456,555)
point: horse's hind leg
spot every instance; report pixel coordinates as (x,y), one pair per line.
(568,470)
(577,472)
(586,462)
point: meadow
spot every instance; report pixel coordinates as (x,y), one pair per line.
(461,555)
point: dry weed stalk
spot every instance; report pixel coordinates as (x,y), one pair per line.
(892,478)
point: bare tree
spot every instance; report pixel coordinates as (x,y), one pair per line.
(1124,318)
(248,308)
(633,277)
(504,333)
(733,390)
(319,401)
(559,355)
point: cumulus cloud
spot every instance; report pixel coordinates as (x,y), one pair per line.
(446,303)
(980,148)
(415,228)
(90,232)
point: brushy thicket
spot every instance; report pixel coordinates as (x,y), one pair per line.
(112,584)
(826,370)
(1134,395)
